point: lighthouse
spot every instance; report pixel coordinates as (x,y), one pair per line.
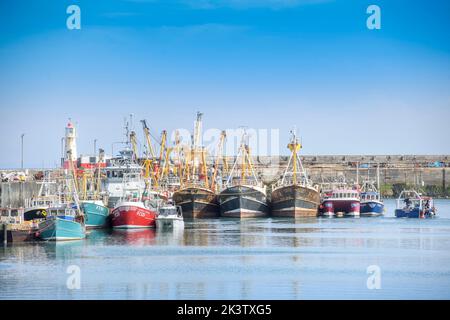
(70,145)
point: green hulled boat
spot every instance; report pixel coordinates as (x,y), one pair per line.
(96,213)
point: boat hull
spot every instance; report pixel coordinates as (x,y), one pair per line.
(168,223)
(371,209)
(337,207)
(295,201)
(413,213)
(17,236)
(59,229)
(130,216)
(243,202)
(197,202)
(96,214)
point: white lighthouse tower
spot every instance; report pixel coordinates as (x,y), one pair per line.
(70,145)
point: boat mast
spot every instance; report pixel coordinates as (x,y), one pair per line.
(297,167)
(71,179)
(101,155)
(196,142)
(219,152)
(378,177)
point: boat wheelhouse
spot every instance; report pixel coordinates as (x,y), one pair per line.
(115,172)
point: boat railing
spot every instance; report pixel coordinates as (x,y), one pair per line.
(290,181)
(249,181)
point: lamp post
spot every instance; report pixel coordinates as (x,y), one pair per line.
(21,153)
(95,146)
(62,151)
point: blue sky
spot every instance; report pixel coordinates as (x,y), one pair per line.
(264,64)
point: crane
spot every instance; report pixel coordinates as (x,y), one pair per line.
(148,162)
(147,137)
(162,151)
(219,152)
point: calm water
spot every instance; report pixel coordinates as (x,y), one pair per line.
(251,259)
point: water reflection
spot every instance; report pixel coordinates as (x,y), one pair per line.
(137,237)
(239,259)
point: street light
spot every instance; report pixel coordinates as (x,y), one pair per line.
(62,151)
(95,146)
(21,157)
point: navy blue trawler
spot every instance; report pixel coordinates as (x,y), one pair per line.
(411,204)
(244,195)
(371,204)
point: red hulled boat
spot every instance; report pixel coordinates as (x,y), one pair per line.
(343,201)
(132,215)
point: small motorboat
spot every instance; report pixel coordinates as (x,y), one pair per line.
(170,217)
(411,204)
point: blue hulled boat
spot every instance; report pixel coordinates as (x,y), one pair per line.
(65,222)
(96,213)
(411,204)
(371,203)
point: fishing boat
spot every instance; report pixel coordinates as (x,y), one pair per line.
(96,213)
(65,222)
(170,217)
(195,195)
(197,201)
(36,207)
(294,195)
(340,201)
(244,195)
(136,209)
(411,204)
(371,204)
(117,167)
(92,199)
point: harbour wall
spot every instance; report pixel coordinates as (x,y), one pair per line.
(13,194)
(411,170)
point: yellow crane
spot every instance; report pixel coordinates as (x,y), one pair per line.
(147,137)
(179,167)
(101,156)
(219,155)
(294,147)
(204,169)
(150,157)
(166,167)
(162,151)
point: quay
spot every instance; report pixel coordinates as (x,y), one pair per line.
(430,171)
